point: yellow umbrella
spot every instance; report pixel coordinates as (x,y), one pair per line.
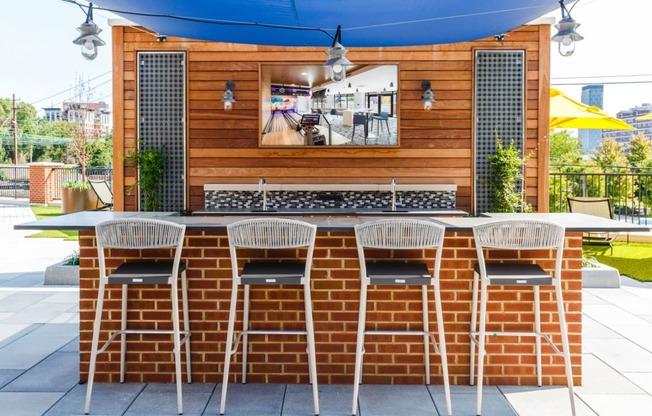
(570,114)
(648,116)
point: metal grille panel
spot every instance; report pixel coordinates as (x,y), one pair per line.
(499,112)
(161,118)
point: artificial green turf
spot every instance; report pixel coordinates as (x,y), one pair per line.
(633,259)
(41,213)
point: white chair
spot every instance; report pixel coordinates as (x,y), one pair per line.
(269,234)
(519,234)
(401,234)
(137,234)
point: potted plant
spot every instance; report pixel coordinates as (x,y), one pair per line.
(65,272)
(596,274)
(150,163)
(505,169)
(77,196)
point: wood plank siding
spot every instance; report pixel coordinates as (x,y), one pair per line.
(434,146)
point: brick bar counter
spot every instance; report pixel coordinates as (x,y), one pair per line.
(335,294)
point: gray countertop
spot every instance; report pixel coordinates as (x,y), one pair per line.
(87,220)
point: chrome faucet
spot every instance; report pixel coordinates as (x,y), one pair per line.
(393,191)
(262,187)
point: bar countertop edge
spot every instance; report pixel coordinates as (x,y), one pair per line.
(87,220)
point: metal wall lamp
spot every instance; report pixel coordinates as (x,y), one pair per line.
(336,61)
(229,98)
(88,38)
(427,98)
(566,35)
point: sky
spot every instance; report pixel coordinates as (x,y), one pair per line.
(41,65)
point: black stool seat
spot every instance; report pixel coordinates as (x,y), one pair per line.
(516,274)
(272,273)
(143,273)
(398,273)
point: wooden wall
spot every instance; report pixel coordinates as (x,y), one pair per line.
(435,146)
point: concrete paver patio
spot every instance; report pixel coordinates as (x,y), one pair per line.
(39,358)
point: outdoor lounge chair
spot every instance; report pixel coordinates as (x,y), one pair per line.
(600,207)
(104,194)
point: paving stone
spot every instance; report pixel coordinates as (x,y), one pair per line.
(6,376)
(161,400)
(334,400)
(543,401)
(619,404)
(391,400)
(57,373)
(27,404)
(248,399)
(598,377)
(621,354)
(107,399)
(29,350)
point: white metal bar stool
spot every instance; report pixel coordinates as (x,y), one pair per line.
(399,234)
(137,234)
(269,233)
(518,234)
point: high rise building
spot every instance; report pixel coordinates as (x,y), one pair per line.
(629,117)
(92,118)
(590,138)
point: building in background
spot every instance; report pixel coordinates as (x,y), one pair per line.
(630,116)
(93,118)
(591,95)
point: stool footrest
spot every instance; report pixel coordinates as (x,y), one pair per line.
(114,335)
(474,337)
(262,332)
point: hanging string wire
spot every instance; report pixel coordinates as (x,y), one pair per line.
(305,28)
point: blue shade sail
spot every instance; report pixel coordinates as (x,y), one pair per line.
(371,23)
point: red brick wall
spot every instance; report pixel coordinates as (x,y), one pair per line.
(335,294)
(44,182)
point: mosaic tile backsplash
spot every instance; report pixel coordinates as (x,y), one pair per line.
(328,199)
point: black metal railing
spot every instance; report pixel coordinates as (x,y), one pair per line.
(14,181)
(64,174)
(630,192)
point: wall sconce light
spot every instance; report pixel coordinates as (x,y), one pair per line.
(566,35)
(161,38)
(499,37)
(229,98)
(349,85)
(88,38)
(336,61)
(391,84)
(427,97)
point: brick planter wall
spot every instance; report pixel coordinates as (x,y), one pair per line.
(335,294)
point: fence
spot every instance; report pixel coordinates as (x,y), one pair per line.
(630,192)
(64,174)
(14,181)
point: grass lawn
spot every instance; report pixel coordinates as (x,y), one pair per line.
(633,259)
(48,212)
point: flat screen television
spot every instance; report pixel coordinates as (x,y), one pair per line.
(371,89)
(310,119)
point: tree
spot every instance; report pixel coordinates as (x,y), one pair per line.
(81,147)
(640,151)
(565,150)
(609,154)
(505,169)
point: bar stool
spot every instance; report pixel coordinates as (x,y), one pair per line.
(399,234)
(518,234)
(269,233)
(138,234)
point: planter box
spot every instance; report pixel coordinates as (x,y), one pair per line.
(58,274)
(600,277)
(75,200)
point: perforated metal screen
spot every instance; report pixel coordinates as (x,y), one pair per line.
(499,112)
(161,118)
